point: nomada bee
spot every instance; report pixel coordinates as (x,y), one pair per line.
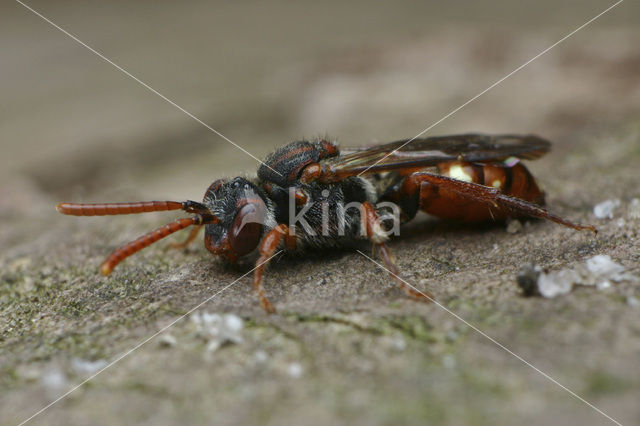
(304,194)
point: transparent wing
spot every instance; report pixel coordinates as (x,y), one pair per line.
(427,152)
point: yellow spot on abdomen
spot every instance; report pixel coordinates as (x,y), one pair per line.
(496,184)
(456,172)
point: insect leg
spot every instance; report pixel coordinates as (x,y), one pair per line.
(268,246)
(489,196)
(192,236)
(374,227)
(132,247)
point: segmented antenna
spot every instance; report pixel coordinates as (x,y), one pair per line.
(201,212)
(104,209)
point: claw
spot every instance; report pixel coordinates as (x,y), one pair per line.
(266,305)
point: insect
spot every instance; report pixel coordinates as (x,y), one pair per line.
(468,177)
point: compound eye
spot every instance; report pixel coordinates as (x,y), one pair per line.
(246,230)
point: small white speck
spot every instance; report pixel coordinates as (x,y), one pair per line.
(226,328)
(448,361)
(514,226)
(634,209)
(213,345)
(598,271)
(54,380)
(28,373)
(602,265)
(398,343)
(605,209)
(261,356)
(217,329)
(81,366)
(555,283)
(603,285)
(294,370)
(233,323)
(167,341)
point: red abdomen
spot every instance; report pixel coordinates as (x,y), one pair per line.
(514,180)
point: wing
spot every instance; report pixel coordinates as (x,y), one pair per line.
(431,151)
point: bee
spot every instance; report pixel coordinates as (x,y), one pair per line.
(312,195)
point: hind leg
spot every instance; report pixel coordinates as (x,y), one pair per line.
(456,199)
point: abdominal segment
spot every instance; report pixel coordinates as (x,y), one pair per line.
(514,180)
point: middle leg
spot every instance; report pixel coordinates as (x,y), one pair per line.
(376,235)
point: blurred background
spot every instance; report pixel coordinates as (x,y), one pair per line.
(347,348)
(266,73)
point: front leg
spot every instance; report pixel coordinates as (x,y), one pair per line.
(268,246)
(376,235)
